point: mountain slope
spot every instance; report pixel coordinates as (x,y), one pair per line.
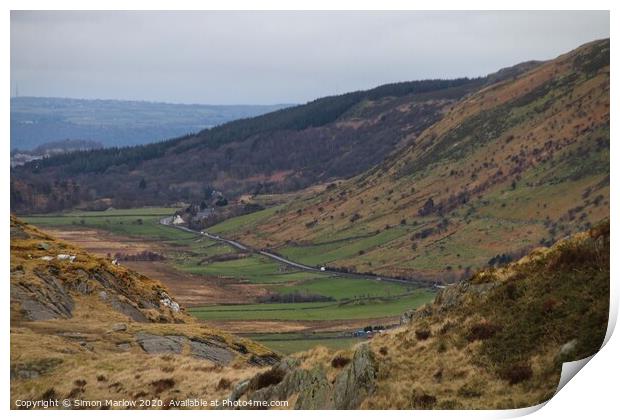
(333,137)
(82,327)
(521,162)
(494,341)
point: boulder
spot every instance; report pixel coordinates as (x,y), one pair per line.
(316,393)
(124,346)
(357,381)
(151,343)
(127,309)
(239,390)
(119,326)
(210,350)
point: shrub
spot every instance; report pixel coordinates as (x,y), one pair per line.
(470,391)
(422,401)
(49,394)
(271,377)
(482,331)
(549,305)
(512,292)
(162,385)
(355,217)
(422,334)
(223,384)
(340,361)
(517,373)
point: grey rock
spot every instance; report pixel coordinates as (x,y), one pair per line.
(33,369)
(119,326)
(127,309)
(569,347)
(357,381)
(316,393)
(405,318)
(39,303)
(265,360)
(239,390)
(87,345)
(211,350)
(44,246)
(151,343)
(124,346)
(17,232)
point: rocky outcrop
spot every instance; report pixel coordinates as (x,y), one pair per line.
(151,343)
(34,369)
(357,381)
(126,308)
(311,386)
(38,302)
(201,348)
(211,350)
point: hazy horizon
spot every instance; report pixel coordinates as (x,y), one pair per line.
(239,58)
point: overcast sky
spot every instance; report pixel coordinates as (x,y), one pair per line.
(274,57)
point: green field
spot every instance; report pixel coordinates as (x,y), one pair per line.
(346,288)
(289,343)
(320,254)
(253,269)
(316,311)
(142,222)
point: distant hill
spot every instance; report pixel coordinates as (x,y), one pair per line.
(37,120)
(329,138)
(20,157)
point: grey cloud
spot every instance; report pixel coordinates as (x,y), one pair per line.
(274,57)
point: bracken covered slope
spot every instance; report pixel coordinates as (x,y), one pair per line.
(82,327)
(496,340)
(519,163)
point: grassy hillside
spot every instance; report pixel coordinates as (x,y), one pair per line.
(499,339)
(494,341)
(82,327)
(520,163)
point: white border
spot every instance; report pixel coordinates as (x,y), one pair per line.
(593,394)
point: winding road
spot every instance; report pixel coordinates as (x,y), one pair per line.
(167,221)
